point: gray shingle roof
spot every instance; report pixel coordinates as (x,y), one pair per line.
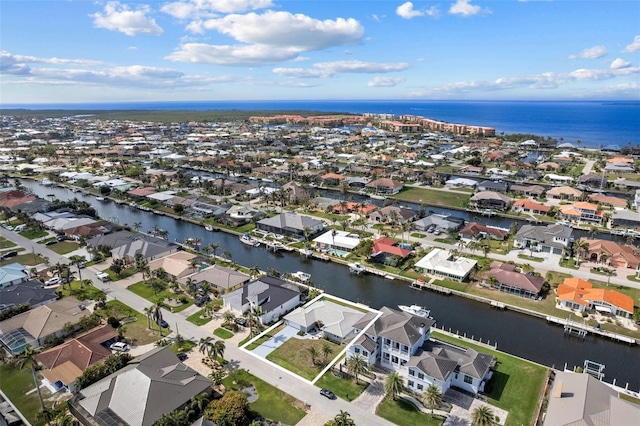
(399,326)
(289,220)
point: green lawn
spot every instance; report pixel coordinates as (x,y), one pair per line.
(530,258)
(223,333)
(125,273)
(403,413)
(185,347)
(272,403)
(85,292)
(418,235)
(64,247)
(4,243)
(15,383)
(433,197)
(136,332)
(145,291)
(516,385)
(26,259)
(33,233)
(295,357)
(346,389)
(198,318)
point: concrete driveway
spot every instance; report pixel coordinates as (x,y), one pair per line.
(275,342)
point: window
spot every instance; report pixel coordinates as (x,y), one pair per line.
(468,379)
(357,350)
(410,383)
(420,387)
(420,376)
(412,373)
(456,375)
(394,359)
(365,353)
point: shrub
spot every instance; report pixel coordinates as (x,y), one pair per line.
(113,322)
(184,300)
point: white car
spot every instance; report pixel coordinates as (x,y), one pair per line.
(52,281)
(119,346)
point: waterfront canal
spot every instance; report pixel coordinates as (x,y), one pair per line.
(515,333)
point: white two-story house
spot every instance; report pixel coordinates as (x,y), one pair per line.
(400,342)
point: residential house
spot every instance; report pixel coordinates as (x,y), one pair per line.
(386,250)
(26,293)
(12,274)
(458,182)
(442,263)
(219,277)
(64,363)
(34,327)
(554,239)
(581,211)
(478,231)
(471,170)
(88,230)
(297,192)
(177,264)
(615,254)
(492,185)
(270,297)
(332,179)
(241,214)
(162,385)
(125,245)
(209,210)
(526,205)
(400,342)
(390,214)
(439,221)
(607,200)
(534,191)
(337,242)
(593,180)
(490,200)
(578,294)
(581,399)
(564,193)
(335,321)
(290,224)
(625,218)
(385,186)
(504,277)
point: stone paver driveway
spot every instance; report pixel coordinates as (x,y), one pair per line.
(275,342)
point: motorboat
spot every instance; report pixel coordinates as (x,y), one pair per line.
(208,228)
(301,276)
(249,240)
(417,310)
(377,197)
(46,182)
(100,198)
(357,268)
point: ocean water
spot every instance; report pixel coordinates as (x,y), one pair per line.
(594,123)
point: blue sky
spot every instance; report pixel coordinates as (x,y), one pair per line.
(102,51)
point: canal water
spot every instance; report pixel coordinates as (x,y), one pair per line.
(515,333)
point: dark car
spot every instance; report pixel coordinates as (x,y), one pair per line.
(61,238)
(50,243)
(201,301)
(241,321)
(182,356)
(162,323)
(10,254)
(327,393)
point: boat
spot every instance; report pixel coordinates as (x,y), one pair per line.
(100,198)
(416,310)
(357,268)
(377,197)
(74,189)
(46,182)
(208,228)
(301,276)
(249,240)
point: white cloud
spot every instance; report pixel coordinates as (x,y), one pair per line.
(197,9)
(117,17)
(619,63)
(634,46)
(465,8)
(379,81)
(267,38)
(406,11)
(594,52)
(329,69)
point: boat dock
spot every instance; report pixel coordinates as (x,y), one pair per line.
(498,305)
(581,329)
(275,246)
(421,285)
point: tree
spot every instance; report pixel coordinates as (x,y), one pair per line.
(609,272)
(28,357)
(432,397)
(217,350)
(78,260)
(326,350)
(254,271)
(200,401)
(357,365)
(213,247)
(483,416)
(313,352)
(205,345)
(230,410)
(341,419)
(393,384)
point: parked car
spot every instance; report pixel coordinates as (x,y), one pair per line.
(10,254)
(119,346)
(241,321)
(201,301)
(182,356)
(20,228)
(162,323)
(61,238)
(52,281)
(437,232)
(327,393)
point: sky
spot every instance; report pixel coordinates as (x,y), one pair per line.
(54,51)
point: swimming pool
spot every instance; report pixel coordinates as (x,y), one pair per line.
(338,253)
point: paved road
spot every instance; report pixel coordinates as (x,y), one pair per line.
(268,372)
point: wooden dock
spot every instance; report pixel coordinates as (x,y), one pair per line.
(498,305)
(421,285)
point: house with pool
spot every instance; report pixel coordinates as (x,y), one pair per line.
(399,341)
(339,243)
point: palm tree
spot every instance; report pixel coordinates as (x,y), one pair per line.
(205,345)
(214,248)
(580,247)
(78,260)
(313,352)
(393,384)
(254,271)
(217,350)
(148,311)
(326,351)
(357,365)
(432,397)
(28,357)
(157,314)
(483,416)
(137,225)
(343,419)
(200,401)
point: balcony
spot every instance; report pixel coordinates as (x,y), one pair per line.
(394,350)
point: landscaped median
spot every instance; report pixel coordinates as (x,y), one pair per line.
(516,385)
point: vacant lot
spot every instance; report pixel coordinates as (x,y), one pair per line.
(295,355)
(432,197)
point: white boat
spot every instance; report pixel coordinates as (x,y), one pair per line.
(377,197)
(100,198)
(46,182)
(416,310)
(357,268)
(74,189)
(208,228)
(302,276)
(249,240)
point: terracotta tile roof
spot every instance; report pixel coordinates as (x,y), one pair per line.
(531,205)
(582,292)
(332,176)
(387,245)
